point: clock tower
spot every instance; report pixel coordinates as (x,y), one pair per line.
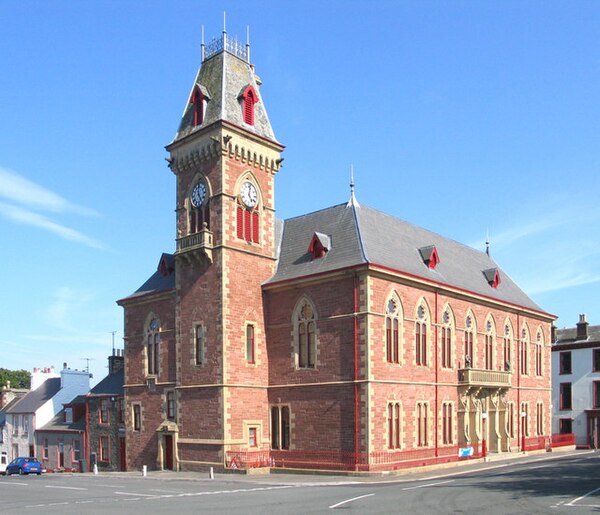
(225,157)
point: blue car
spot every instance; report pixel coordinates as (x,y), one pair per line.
(24,466)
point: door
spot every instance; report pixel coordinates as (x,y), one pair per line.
(168,450)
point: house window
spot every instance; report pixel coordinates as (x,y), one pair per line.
(249,98)
(524,352)
(280,427)
(565,396)
(247,223)
(104,449)
(421,338)
(489,349)
(137,417)
(61,453)
(250,344)
(68,415)
(45,449)
(596,357)
(104,411)
(447,434)
(198,100)
(252,437)
(392,332)
(305,335)
(565,426)
(565,366)
(446,338)
(76,451)
(171,405)
(16,422)
(596,394)
(539,412)
(507,347)
(152,346)
(469,356)
(25,425)
(200,340)
(394,424)
(422,421)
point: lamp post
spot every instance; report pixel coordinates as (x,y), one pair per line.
(484,417)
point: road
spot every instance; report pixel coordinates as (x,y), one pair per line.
(549,483)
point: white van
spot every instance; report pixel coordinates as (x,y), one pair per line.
(3,462)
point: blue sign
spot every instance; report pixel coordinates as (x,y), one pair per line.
(465,452)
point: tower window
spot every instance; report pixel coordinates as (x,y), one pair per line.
(247,224)
(198,101)
(249,98)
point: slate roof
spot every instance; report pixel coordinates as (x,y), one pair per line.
(57,423)
(3,411)
(569,335)
(112,384)
(224,77)
(36,398)
(157,282)
(362,235)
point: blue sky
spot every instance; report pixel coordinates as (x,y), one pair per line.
(465,118)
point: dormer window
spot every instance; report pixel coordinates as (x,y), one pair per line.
(198,100)
(492,276)
(249,98)
(166,266)
(320,244)
(430,256)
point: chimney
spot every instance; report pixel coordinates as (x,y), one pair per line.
(582,327)
(116,362)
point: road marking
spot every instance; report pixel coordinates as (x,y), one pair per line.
(428,485)
(333,506)
(572,503)
(66,487)
(11,483)
(130,493)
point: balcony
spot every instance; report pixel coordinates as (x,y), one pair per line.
(478,378)
(202,241)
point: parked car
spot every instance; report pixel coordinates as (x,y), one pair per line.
(24,466)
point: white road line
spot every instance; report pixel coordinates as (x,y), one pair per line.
(350,500)
(65,487)
(11,483)
(131,493)
(428,485)
(572,503)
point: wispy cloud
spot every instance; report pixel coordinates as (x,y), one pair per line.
(25,199)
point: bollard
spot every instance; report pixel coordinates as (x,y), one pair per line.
(95,469)
(211,474)
(144,470)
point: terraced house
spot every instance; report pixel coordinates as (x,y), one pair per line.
(341,339)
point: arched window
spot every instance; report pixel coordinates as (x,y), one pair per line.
(421,336)
(198,100)
(446,338)
(198,203)
(305,329)
(447,427)
(248,220)
(394,419)
(469,346)
(507,345)
(539,347)
(490,338)
(152,346)
(200,341)
(249,98)
(422,421)
(524,354)
(393,322)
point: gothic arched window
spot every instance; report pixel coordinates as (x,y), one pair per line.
(305,333)
(152,346)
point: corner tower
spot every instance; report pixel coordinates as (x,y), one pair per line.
(225,157)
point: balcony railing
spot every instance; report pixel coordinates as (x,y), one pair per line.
(484,378)
(202,240)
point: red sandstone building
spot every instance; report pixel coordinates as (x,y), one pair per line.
(340,339)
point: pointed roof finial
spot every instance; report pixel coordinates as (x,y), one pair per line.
(248,44)
(202,46)
(224,31)
(487,242)
(352,201)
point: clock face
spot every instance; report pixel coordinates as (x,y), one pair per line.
(198,194)
(248,194)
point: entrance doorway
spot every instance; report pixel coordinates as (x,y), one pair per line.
(168,452)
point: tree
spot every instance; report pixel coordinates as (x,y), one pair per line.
(17,378)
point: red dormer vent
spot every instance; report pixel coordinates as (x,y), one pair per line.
(198,99)
(166,266)
(430,256)
(492,276)
(320,244)
(249,98)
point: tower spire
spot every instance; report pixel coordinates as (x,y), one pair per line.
(352,201)
(487,242)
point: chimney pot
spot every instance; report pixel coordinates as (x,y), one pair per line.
(582,327)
